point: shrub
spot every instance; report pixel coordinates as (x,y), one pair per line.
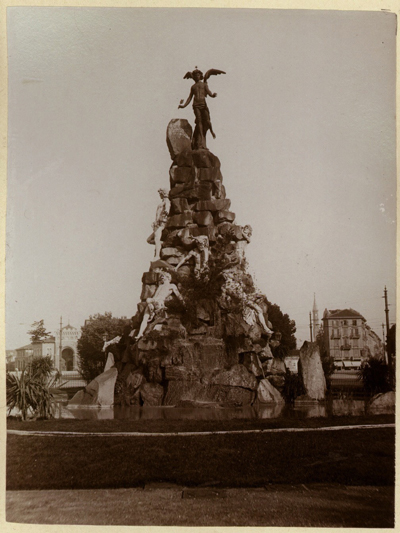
(293,387)
(42,366)
(30,392)
(374,374)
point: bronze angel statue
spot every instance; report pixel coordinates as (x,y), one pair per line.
(199,92)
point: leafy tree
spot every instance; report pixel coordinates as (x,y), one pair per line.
(281,322)
(374,374)
(91,341)
(391,341)
(391,348)
(293,387)
(38,331)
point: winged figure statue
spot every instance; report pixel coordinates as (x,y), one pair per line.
(199,92)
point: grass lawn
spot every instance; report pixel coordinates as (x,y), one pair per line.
(349,457)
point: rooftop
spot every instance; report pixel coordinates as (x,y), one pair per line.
(342,313)
(26,347)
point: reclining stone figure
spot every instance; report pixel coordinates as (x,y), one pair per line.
(251,303)
(157,303)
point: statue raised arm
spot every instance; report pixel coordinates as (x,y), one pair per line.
(199,92)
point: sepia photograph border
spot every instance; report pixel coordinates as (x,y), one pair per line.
(326,5)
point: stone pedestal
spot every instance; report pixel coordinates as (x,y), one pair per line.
(207,341)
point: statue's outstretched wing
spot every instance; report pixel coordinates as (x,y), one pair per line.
(188,76)
(212,72)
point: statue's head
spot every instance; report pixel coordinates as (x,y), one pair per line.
(164,276)
(163,193)
(197,74)
(248,230)
(202,242)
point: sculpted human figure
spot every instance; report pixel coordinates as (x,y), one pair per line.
(109,343)
(200,254)
(157,303)
(160,222)
(241,246)
(252,302)
(252,310)
(199,92)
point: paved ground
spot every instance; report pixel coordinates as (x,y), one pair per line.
(169,505)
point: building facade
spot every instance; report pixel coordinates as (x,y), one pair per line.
(44,347)
(348,337)
(23,356)
(292,361)
(68,340)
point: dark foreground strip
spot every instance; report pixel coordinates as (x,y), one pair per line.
(190,433)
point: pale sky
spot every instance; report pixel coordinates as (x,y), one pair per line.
(305,124)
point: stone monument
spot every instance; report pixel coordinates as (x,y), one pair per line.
(311,373)
(201,334)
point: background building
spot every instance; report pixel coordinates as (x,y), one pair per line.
(44,347)
(348,337)
(24,355)
(315,320)
(292,361)
(49,347)
(11,357)
(69,348)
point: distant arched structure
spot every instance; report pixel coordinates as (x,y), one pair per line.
(68,358)
(69,348)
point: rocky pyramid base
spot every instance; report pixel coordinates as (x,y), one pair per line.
(201,333)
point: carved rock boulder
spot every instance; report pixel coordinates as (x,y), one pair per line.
(179,136)
(237,376)
(382,404)
(275,372)
(267,393)
(311,371)
(99,392)
(151,394)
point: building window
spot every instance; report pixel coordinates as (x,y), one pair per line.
(354,322)
(344,322)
